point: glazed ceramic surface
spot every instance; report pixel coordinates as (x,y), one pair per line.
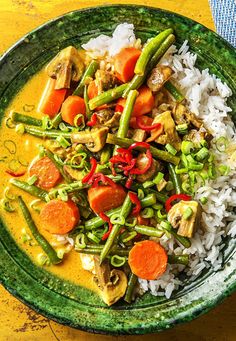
(64,301)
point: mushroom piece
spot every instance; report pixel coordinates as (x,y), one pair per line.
(94,139)
(67,66)
(186,226)
(158,77)
(169,134)
(104,80)
(150,173)
(182,115)
(112,284)
(108,118)
(139,135)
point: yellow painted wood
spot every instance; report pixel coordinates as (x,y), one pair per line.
(18,322)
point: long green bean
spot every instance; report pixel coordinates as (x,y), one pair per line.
(182,240)
(97,250)
(39,132)
(105,154)
(88,74)
(175,179)
(58,165)
(125,117)
(25,119)
(86,101)
(149,50)
(137,80)
(148,231)
(178,259)
(31,189)
(156,153)
(56,120)
(171,88)
(124,212)
(133,279)
(47,248)
(107,96)
(96,222)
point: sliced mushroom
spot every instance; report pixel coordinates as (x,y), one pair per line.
(94,139)
(176,216)
(182,115)
(108,118)
(169,134)
(67,66)
(102,272)
(150,173)
(158,77)
(104,80)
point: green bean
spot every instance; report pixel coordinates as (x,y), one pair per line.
(88,74)
(148,231)
(96,222)
(86,101)
(47,248)
(175,179)
(178,259)
(125,117)
(56,120)
(20,118)
(39,132)
(107,96)
(124,212)
(133,279)
(137,80)
(31,189)
(105,154)
(156,153)
(149,50)
(182,240)
(96,250)
(171,88)
(50,155)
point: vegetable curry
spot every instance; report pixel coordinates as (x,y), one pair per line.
(101,164)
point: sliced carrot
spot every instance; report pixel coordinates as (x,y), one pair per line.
(143,104)
(146,120)
(92,89)
(143,221)
(51,99)
(47,173)
(73,106)
(59,217)
(148,259)
(124,63)
(104,198)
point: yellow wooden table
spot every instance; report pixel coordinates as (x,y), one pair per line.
(18,322)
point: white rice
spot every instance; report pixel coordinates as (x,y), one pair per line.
(207,98)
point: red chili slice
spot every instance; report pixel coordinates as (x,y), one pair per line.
(128,183)
(139,144)
(174,197)
(93,164)
(96,178)
(145,169)
(119,108)
(141,125)
(16,175)
(135,200)
(104,217)
(92,121)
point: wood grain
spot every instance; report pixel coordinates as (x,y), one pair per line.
(18,322)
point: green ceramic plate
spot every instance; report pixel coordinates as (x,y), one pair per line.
(63,301)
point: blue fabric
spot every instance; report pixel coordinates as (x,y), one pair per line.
(224,14)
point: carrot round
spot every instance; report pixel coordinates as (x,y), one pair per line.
(148,259)
(59,217)
(147,121)
(73,106)
(143,104)
(104,198)
(47,173)
(51,99)
(124,63)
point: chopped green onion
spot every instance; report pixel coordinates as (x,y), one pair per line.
(160,215)
(148,212)
(148,184)
(180,170)
(118,261)
(93,237)
(60,253)
(204,143)
(7,195)
(158,178)
(7,206)
(63,194)
(77,117)
(141,194)
(62,142)
(187,188)
(9,123)
(126,237)
(166,225)
(224,170)
(20,128)
(116,218)
(134,222)
(157,207)
(187,147)
(221,144)
(80,241)
(63,127)
(193,165)
(43,259)
(187,213)
(171,149)
(32,180)
(212,171)
(182,128)
(202,154)
(203,200)
(34,205)
(46,123)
